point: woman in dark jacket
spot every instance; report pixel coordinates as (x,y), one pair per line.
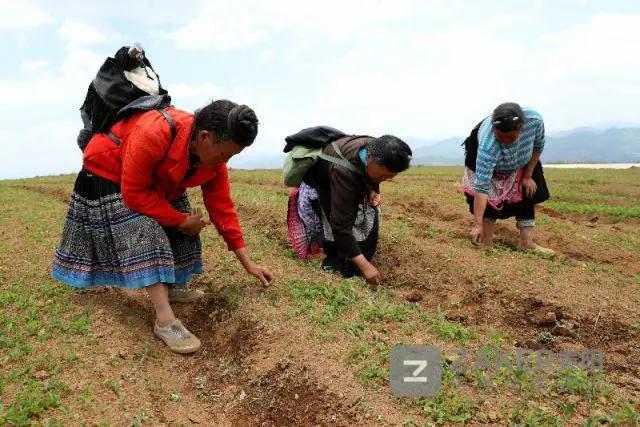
(343,194)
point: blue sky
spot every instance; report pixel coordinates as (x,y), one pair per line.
(417,69)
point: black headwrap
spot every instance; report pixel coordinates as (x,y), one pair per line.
(508,117)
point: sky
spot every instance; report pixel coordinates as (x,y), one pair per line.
(423,69)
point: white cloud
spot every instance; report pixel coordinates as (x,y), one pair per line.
(434,85)
(604,45)
(191,96)
(34,65)
(18,15)
(45,148)
(427,82)
(588,73)
(266,56)
(67,85)
(424,85)
(223,26)
(81,64)
(510,20)
(78,34)
(25,93)
(230,25)
(412,68)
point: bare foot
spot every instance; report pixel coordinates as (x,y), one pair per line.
(536,248)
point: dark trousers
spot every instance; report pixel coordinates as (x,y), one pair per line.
(524,211)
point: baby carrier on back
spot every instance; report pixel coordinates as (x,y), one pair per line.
(124,85)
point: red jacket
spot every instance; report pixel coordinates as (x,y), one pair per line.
(151,171)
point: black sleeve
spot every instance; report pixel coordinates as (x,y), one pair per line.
(346,194)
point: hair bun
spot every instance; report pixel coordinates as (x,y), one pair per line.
(242,123)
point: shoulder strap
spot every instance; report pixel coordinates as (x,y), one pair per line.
(114,138)
(167,117)
(341,161)
(169,120)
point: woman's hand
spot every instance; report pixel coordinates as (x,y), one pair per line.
(369,272)
(529,187)
(262,273)
(194,223)
(374,198)
(476,234)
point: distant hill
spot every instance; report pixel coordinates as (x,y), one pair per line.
(584,145)
(588,146)
(257,161)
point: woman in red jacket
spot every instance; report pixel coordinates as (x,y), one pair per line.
(130,223)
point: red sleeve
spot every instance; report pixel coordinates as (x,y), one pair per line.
(217,199)
(145,147)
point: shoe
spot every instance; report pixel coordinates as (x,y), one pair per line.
(184,294)
(177,337)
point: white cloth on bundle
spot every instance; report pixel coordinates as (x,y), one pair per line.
(145,82)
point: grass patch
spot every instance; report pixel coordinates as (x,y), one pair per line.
(448,406)
(580,382)
(32,400)
(535,418)
(323,302)
(595,209)
(400,232)
(33,318)
(451,331)
(384,309)
(429,233)
(375,369)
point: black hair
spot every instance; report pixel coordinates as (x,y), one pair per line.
(391,152)
(228,120)
(508,117)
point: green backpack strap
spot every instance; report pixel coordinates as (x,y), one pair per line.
(341,161)
(300,159)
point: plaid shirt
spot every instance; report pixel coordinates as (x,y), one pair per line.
(495,157)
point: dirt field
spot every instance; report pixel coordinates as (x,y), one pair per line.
(312,348)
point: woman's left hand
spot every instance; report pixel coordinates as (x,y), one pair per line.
(476,235)
(529,187)
(374,199)
(262,273)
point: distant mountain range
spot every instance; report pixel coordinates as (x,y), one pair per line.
(619,144)
(583,145)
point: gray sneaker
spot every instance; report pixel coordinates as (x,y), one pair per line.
(184,294)
(177,337)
